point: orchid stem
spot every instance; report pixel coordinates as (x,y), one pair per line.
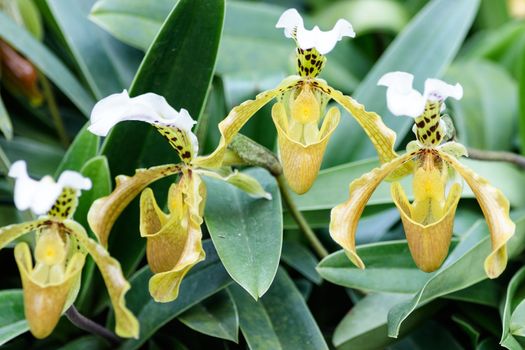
(86,324)
(300,219)
(509,157)
(53,110)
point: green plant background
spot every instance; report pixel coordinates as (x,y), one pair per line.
(208,56)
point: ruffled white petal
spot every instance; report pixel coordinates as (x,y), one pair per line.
(150,108)
(322,41)
(401,98)
(39,196)
(72,179)
(438,90)
(289,20)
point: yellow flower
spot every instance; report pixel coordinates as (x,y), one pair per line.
(173,240)
(303,127)
(428,220)
(52,282)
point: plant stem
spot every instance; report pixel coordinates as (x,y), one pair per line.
(299,218)
(509,157)
(86,324)
(53,109)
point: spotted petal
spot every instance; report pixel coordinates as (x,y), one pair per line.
(495,207)
(175,241)
(126,325)
(301,163)
(44,303)
(105,211)
(12,232)
(345,216)
(239,116)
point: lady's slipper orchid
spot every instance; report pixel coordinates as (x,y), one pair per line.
(428,220)
(52,282)
(173,240)
(300,108)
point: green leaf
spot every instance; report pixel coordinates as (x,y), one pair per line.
(42,158)
(12,319)
(6,127)
(424,48)
(381,15)
(331,187)
(135,22)
(83,148)
(179,65)
(513,316)
(216,316)
(204,280)
(365,326)
(31,18)
(487,292)
(462,268)
(490,91)
(431,336)
(301,259)
(466,325)
(280,320)
(89,342)
(246,232)
(105,63)
(46,62)
(397,274)
(521,92)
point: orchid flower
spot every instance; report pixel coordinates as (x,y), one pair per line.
(428,220)
(52,282)
(303,133)
(174,243)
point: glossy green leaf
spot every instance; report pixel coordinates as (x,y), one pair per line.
(89,342)
(246,232)
(489,91)
(331,187)
(46,62)
(204,280)
(84,147)
(513,312)
(462,268)
(431,336)
(135,22)
(487,292)
(216,316)
(6,126)
(381,15)
(521,92)
(179,65)
(42,158)
(106,64)
(424,48)
(280,320)
(301,259)
(466,325)
(12,319)
(364,327)
(397,274)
